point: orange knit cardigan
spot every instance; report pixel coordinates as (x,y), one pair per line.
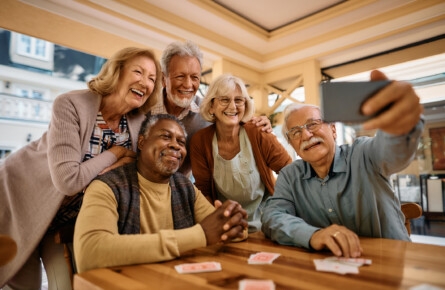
(269,155)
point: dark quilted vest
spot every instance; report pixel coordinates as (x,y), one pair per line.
(123,181)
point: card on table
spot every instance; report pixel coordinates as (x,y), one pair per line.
(198,267)
(332,266)
(350,261)
(251,284)
(262,258)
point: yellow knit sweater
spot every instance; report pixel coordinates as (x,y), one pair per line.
(97,243)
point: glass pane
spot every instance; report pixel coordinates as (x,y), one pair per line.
(24,44)
(24,93)
(37,95)
(40,49)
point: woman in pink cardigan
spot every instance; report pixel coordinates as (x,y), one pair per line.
(91,131)
(232,159)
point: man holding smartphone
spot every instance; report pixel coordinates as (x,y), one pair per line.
(337,193)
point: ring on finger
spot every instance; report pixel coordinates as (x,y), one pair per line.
(335,234)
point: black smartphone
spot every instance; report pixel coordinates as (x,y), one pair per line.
(342,101)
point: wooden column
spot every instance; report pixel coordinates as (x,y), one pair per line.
(311,82)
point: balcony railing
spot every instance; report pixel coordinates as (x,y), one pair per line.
(13,107)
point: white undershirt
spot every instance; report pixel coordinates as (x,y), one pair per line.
(239,179)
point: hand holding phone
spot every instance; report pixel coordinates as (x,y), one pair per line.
(342,101)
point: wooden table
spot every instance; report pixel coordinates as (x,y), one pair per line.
(395,264)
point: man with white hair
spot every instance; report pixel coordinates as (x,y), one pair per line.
(181,64)
(337,193)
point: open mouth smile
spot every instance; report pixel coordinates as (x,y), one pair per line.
(186,93)
(137,92)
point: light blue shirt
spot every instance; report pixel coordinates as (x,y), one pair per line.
(356,193)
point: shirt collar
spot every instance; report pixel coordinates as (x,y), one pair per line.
(160,108)
(338,165)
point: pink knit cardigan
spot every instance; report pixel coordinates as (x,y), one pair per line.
(35,179)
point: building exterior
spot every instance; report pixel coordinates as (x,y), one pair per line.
(33,72)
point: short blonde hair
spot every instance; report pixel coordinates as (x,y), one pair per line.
(107,80)
(222,86)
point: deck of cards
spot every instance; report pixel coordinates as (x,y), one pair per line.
(262,258)
(251,284)
(340,265)
(198,267)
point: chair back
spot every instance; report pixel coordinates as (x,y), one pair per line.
(8,249)
(411,210)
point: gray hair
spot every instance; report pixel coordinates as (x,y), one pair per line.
(187,48)
(150,121)
(288,110)
(222,86)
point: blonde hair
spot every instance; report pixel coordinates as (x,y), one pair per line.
(222,86)
(107,80)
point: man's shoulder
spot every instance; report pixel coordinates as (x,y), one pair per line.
(357,145)
(118,174)
(293,170)
(180,179)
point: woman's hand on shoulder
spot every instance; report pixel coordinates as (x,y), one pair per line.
(120,162)
(121,152)
(262,121)
(123,156)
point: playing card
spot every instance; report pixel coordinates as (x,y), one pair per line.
(250,284)
(351,261)
(198,267)
(262,258)
(425,286)
(332,266)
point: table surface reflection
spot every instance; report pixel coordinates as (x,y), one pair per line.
(395,265)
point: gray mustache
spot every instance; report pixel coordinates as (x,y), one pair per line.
(310,142)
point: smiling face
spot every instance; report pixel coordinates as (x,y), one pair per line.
(182,82)
(136,81)
(162,151)
(316,147)
(230,115)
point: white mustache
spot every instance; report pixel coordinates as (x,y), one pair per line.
(310,142)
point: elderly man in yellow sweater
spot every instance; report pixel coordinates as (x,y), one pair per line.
(146,211)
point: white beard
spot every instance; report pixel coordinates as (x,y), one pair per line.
(180,102)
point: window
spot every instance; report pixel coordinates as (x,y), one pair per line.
(32,47)
(31,52)
(37,94)
(30,92)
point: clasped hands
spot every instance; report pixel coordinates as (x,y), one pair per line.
(227,222)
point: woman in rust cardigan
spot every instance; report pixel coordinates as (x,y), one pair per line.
(232,159)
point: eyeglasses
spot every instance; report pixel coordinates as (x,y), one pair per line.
(312,126)
(225,101)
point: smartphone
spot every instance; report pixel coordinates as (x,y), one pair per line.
(342,101)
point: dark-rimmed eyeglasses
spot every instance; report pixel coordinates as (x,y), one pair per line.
(312,126)
(225,101)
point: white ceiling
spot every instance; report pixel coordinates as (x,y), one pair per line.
(271,15)
(346,31)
